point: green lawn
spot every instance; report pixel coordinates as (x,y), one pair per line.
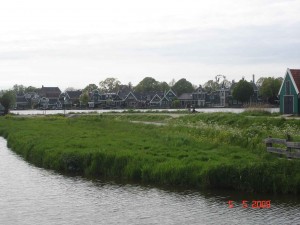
(219,150)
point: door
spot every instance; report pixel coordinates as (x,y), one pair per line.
(288,104)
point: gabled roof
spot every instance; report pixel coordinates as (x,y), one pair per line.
(74,94)
(156,96)
(295,78)
(165,97)
(130,93)
(170,90)
(21,98)
(49,92)
(199,89)
(49,89)
(123,94)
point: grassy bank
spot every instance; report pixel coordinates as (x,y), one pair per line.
(197,151)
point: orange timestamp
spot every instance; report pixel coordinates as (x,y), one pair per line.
(254,204)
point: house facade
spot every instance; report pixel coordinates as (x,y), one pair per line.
(289,92)
(28,100)
(168,98)
(198,98)
(131,99)
(72,98)
(49,97)
(22,102)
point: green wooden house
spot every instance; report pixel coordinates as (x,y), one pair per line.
(289,95)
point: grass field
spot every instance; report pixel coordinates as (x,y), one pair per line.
(217,150)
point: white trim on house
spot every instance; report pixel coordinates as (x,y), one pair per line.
(132,95)
(288,72)
(156,95)
(165,97)
(170,90)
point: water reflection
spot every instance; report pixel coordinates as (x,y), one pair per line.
(31,195)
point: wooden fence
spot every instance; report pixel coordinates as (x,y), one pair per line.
(291,150)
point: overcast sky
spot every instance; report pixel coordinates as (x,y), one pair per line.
(73,43)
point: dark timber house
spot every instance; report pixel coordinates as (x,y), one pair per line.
(70,99)
(49,97)
(289,95)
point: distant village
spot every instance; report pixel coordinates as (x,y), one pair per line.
(126,97)
(151,94)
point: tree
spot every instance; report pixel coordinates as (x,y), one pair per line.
(19,89)
(148,84)
(242,91)
(163,86)
(182,86)
(90,88)
(84,98)
(211,86)
(109,85)
(176,103)
(30,89)
(7,100)
(70,89)
(270,88)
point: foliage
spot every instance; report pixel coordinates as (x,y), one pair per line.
(90,88)
(70,89)
(163,86)
(19,89)
(109,85)
(211,86)
(242,91)
(30,89)
(176,103)
(84,98)
(148,84)
(270,88)
(7,100)
(125,88)
(183,86)
(216,150)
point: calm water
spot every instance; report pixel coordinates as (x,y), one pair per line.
(30,195)
(204,110)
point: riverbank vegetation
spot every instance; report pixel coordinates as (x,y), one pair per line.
(216,150)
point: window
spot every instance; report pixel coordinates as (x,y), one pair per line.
(287,87)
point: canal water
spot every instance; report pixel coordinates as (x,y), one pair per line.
(31,195)
(203,110)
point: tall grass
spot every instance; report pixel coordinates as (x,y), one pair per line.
(195,151)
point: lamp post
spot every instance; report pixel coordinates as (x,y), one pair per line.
(64,105)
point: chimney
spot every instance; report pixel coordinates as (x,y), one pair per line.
(253,79)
